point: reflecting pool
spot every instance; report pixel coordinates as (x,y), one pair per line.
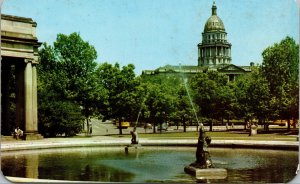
(148,164)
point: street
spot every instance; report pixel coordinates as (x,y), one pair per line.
(108,128)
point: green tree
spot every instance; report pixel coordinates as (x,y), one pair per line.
(226,101)
(77,57)
(253,97)
(68,74)
(122,86)
(57,114)
(59,117)
(208,90)
(280,67)
(158,104)
(242,106)
(183,109)
(162,98)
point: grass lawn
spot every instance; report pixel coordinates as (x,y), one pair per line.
(224,135)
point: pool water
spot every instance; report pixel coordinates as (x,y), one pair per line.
(148,164)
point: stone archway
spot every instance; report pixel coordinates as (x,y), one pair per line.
(19,57)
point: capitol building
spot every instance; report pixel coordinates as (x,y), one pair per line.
(214,53)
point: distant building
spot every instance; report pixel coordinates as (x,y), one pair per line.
(214,50)
(214,53)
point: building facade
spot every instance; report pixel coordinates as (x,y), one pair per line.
(19,59)
(214,53)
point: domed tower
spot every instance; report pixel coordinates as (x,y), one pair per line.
(214,49)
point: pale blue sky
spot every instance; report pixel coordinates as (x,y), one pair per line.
(153,33)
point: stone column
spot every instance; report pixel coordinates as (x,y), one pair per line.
(20,95)
(222,51)
(207,53)
(226,52)
(34,99)
(30,100)
(29,128)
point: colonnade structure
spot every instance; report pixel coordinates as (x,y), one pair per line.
(19,59)
(214,49)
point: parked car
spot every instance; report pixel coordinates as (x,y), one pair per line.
(124,125)
(148,126)
(163,126)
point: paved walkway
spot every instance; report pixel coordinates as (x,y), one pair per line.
(124,141)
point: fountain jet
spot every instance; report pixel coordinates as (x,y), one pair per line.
(203,167)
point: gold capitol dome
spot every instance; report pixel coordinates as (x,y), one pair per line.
(214,53)
(214,23)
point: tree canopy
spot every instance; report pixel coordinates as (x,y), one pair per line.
(280,67)
(122,87)
(72,86)
(67,75)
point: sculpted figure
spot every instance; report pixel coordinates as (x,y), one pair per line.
(134,136)
(202,155)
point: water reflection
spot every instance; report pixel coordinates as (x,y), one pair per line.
(148,164)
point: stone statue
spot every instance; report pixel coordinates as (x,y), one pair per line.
(134,136)
(203,168)
(202,155)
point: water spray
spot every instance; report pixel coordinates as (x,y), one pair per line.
(134,134)
(189,96)
(140,110)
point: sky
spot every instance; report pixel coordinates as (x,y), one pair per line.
(154,33)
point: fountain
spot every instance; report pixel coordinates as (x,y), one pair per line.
(134,134)
(203,160)
(148,165)
(203,167)
(134,140)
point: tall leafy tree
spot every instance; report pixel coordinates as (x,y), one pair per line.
(183,109)
(226,101)
(162,98)
(242,109)
(122,86)
(208,90)
(68,69)
(280,67)
(77,57)
(253,97)
(57,114)
(158,104)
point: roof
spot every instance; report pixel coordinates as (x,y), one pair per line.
(214,23)
(17,19)
(192,69)
(178,68)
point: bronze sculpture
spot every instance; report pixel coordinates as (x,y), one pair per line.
(134,136)
(203,159)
